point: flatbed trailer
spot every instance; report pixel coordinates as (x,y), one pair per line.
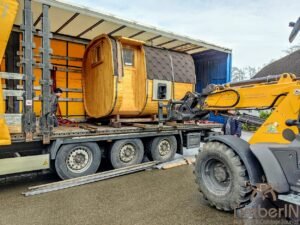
(22,156)
(45,48)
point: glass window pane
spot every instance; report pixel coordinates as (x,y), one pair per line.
(128,57)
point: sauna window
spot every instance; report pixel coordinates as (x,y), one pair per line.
(128,57)
(97,56)
(162,91)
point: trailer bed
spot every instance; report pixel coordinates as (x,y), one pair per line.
(85,130)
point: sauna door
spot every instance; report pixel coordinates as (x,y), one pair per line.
(133,82)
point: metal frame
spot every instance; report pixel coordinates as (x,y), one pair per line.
(46,120)
(11,65)
(29,118)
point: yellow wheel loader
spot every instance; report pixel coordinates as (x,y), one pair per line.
(232,173)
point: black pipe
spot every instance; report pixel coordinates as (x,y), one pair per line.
(267,79)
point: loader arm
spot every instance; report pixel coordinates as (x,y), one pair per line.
(8,12)
(280,93)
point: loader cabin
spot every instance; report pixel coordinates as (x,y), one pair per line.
(106,66)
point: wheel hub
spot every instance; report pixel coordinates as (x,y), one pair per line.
(164,147)
(217,176)
(79,160)
(127,153)
(220,173)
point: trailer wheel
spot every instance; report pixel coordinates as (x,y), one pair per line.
(162,149)
(222,177)
(126,153)
(75,160)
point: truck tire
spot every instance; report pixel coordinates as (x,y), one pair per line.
(162,149)
(222,177)
(76,160)
(126,153)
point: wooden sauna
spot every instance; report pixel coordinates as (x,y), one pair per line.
(125,77)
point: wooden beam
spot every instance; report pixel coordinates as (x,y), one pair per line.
(191,49)
(137,34)
(167,42)
(38,19)
(178,46)
(156,37)
(90,28)
(116,30)
(67,22)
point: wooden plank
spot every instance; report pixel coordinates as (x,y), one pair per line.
(190,159)
(172,124)
(174,163)
(133,120)
(144,126)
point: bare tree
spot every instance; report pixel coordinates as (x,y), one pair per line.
(292,49)
(244,73)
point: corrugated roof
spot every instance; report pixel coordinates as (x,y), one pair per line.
(83,22)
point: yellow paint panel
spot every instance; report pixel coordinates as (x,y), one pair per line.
(180,89)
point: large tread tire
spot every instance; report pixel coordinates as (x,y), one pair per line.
(235,193)
(65,171)
(117,158)
(152,148)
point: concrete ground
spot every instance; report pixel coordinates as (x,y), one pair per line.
(149,197)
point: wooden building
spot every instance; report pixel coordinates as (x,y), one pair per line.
(125,77)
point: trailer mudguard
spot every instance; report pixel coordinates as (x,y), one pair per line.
(54,147)
(242,149)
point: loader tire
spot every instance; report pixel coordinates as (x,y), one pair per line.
(222,178)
